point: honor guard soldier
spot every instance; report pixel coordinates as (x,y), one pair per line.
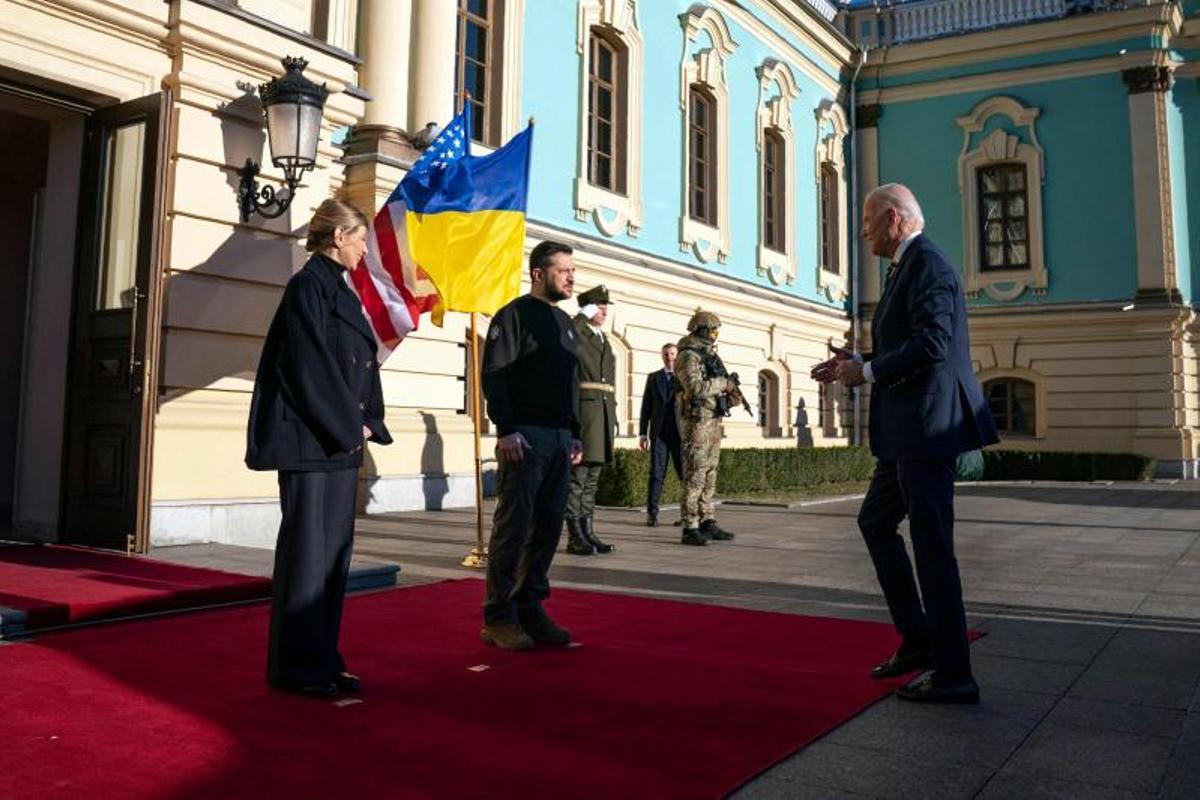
(706,392)
(596,369)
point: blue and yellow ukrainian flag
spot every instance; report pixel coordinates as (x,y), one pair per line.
(466,217)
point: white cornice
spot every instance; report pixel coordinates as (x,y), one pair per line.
(797,57)
(1042,37)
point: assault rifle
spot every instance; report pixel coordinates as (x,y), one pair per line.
(715,367)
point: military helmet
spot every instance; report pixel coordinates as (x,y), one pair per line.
(703,319)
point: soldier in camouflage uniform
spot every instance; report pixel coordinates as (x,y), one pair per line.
(700,415)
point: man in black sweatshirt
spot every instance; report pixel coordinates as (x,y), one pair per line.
(533,399)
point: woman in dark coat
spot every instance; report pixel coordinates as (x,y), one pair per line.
(317,399)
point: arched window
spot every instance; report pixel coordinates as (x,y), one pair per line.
(768,403)
(1013,403)
(478,60)
(830,250)
(606,113)
(1003,217)
(702,156)
(774,188)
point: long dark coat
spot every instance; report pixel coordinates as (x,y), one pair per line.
(318,378)
(595,363)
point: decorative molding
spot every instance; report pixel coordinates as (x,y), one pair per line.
(1154,217)
(867,116)
(773,112)
(1148,79)
(832,129)
(611,212)
(706,67)
(1001,146)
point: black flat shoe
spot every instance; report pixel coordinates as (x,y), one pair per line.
(317,691)
(928,689)
(902,662)
(347,682)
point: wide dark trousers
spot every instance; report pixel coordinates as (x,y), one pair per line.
(312,561)
(922,490)
(531,501)
(662,449)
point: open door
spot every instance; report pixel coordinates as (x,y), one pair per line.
(106,493)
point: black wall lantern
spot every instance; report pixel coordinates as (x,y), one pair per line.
(292,105)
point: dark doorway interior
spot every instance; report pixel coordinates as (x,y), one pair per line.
(24,145)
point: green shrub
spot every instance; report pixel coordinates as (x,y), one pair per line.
(748,470)
(1000,465)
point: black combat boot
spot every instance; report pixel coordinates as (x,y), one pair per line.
(693,536)
(711,530)
(577,545)
(585,527)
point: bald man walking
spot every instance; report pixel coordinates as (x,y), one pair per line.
(926,408)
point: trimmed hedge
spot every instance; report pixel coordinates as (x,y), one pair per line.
(1045,465)
(748,470)
(755,470)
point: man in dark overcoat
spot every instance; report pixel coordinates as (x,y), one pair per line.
(596,369)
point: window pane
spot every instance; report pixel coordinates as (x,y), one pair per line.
(475,80)
(1016,206)
(991,181)
(604,63)
(604,171)
(995,255)
(604,138)
(991,209)
(476,43)
(1016,179)
(604,103)
(995,232)
(122,210)
(1018,255)
(478,7)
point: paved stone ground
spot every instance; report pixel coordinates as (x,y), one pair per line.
(1089,594)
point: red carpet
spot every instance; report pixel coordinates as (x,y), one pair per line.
(661,699)
(56,585)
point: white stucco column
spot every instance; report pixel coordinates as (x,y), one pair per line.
(866,151)
(431,78)
(1153,222)
(384,47)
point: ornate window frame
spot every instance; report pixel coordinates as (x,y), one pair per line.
(832,129)
(706,67)
(775,112)
(509,38)
(1002,146)
(611,212)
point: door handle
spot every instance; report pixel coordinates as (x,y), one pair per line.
(135,363)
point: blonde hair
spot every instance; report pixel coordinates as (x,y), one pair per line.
(329,216)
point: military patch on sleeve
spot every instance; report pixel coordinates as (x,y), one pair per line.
(494,333)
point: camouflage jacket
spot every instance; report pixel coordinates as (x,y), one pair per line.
(697,392)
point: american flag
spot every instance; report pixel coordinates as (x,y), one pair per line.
(394,290)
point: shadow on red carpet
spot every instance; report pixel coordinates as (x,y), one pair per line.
(57,585)
(660,699)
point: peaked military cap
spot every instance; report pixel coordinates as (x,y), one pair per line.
(595,296)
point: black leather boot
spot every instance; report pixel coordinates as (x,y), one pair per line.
(694,537)
(577,545)
(711,530)
(585,527)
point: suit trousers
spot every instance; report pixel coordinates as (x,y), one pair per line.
(662,450)
(581,496)
(312,562)
(922,490)
(532,496)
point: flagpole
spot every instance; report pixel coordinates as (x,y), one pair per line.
(477,558)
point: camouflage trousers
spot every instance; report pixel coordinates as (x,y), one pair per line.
(701,452)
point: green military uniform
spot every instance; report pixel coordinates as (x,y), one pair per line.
(596,369)
(700,429)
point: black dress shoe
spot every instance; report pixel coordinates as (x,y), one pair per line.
(928,688)
(320,691)
(347,682)
(902,662)
(652,520)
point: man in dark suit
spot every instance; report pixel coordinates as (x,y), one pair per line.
(926,408)
(658,430)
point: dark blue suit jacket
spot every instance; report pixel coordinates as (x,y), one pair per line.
(658,407)
(925,401)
